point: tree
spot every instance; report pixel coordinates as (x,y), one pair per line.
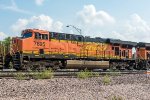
(5,46)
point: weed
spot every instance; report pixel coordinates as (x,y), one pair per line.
(82,74)
(47,74)
(96,74)
(116,98)
(86,74)
(20,76)
(106,80)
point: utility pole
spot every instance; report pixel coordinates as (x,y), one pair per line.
(77,29)
(82,51)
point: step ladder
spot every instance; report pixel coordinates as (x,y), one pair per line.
(16,60)
(1,61)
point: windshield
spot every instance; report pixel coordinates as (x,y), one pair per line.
(27,35)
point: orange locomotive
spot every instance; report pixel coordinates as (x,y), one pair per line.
(40,49)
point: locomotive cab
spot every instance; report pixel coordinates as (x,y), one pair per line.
(18,42)
(31,42)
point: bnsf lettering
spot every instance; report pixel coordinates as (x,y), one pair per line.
(39,43)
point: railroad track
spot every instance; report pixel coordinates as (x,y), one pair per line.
(68,73)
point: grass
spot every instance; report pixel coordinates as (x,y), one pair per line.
(116,98)
(20,76)
(106,80)
(86,74)
(47,74)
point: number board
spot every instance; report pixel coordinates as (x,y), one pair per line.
(38,43)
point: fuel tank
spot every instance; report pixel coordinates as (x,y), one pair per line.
(82,64)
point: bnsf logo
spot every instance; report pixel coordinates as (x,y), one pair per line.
(39,43)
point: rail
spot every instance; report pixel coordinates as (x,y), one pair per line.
(67,73)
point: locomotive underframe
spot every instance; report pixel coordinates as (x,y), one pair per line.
(55,61)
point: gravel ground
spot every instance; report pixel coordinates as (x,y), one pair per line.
(127,87)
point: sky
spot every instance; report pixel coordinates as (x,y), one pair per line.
(127,20)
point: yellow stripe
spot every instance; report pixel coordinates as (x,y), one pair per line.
(27,52)
(80,54)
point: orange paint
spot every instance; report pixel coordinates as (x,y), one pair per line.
(55,46)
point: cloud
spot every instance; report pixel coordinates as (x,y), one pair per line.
(136,29)
(40,22)
(113,35)
(39,2)
(137,24)
(89,16)
(14,7)
(2,35)
(20,25)
(93,22)
(101,24)
(57,26)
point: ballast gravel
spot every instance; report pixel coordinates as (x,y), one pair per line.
(122,87)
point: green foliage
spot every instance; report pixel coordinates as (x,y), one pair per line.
(20,76)
(47,74)
(86,74)
(106,80)
(116,98)
(7,41)
(5,45)
(96,74)
(83,74)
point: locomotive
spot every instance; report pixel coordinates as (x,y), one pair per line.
(40,49)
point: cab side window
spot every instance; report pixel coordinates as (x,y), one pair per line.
(44,36)
(37,35)
(41,36)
